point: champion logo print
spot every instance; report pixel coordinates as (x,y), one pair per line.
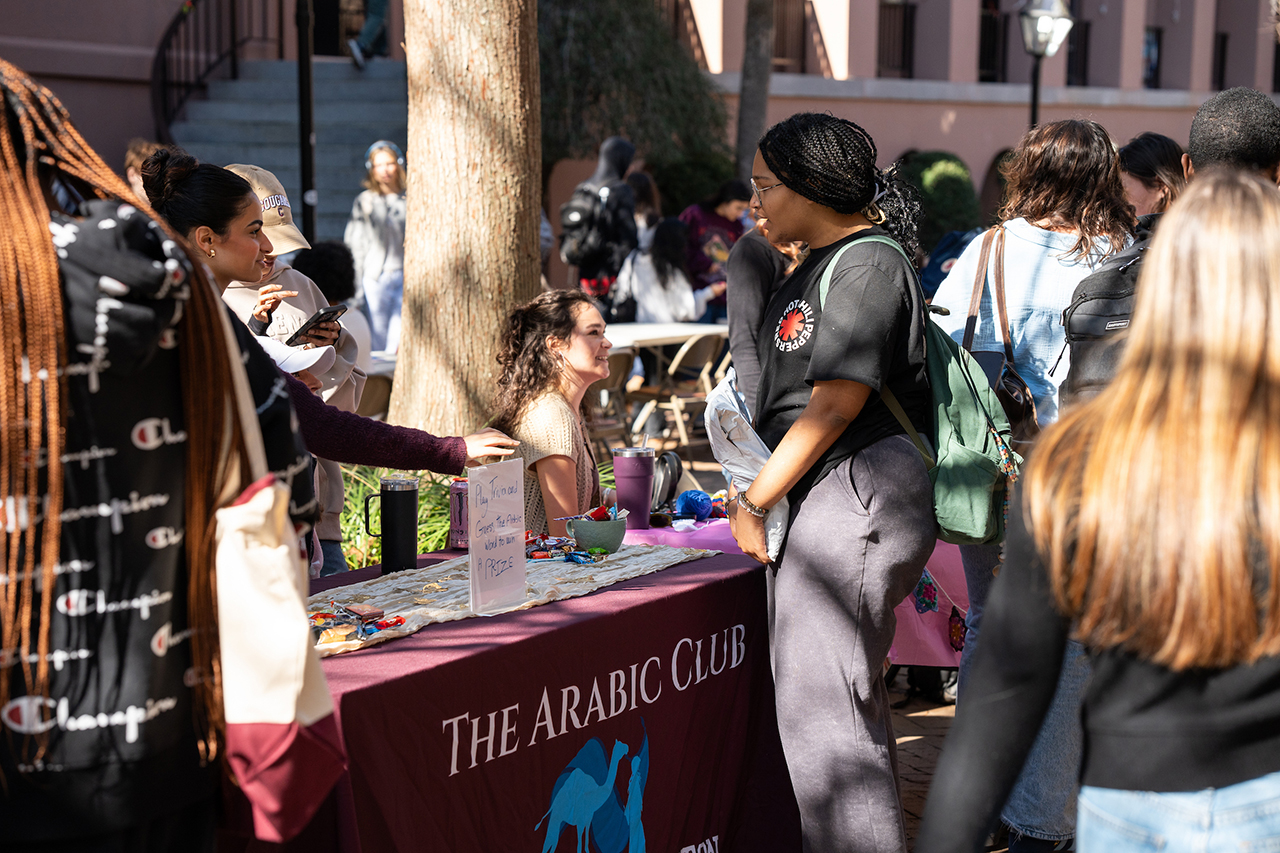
(26,714)
(81,602)
(165,639)
(151,433)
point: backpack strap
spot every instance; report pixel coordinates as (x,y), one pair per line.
(885,394)
(899,413)
(998,289)
(825,284)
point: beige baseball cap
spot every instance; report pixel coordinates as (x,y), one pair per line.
(277,216)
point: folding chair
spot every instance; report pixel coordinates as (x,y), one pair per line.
(683,387)
(610,422)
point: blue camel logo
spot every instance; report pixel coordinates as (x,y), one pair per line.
(585,797)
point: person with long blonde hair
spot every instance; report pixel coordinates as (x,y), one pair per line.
(1148,528)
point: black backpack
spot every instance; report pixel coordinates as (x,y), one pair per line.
(581,223)
(619,304)
(1099,312)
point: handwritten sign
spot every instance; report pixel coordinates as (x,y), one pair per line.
(495,504)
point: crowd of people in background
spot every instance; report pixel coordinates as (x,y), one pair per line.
(1118,684)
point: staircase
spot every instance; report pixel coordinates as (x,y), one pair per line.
(254,120)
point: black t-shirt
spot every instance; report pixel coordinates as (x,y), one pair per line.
(871,331)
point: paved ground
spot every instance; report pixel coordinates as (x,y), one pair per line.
(920,728)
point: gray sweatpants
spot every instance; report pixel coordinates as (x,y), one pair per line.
(854,551)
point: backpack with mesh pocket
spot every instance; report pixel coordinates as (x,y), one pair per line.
(580,223)
(972,465)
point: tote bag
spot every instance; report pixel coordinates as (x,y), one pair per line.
(282,740)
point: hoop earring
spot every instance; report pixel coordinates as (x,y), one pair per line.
(874,214)
(211,253)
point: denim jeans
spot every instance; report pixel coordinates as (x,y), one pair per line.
(384,298)
(334,560)
(373,36)
(1043,801)
(1240,817)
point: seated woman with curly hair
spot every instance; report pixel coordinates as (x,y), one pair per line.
(552,349)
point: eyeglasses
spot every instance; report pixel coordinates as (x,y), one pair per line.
(760,191)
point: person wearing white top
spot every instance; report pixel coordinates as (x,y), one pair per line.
(657,280)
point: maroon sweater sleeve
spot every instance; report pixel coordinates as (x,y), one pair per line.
(331,433)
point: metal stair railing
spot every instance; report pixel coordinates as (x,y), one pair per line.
(206,41)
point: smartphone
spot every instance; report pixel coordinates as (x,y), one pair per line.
(324,315)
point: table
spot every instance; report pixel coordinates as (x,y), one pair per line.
(646,335)
(459,736)
(921,639)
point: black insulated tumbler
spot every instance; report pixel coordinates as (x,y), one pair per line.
(399,505)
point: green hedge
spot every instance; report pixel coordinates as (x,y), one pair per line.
(947,196)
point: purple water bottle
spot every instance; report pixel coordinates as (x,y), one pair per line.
(633,478)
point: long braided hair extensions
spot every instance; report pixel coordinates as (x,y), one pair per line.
(38,140)
(833,161)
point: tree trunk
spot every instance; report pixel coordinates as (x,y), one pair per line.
(753,97)
(471,241)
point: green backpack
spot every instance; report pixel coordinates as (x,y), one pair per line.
(975,464)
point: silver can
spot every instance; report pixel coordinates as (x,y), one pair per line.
(459,520)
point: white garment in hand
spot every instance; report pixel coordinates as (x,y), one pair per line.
(742,452)
(678,302)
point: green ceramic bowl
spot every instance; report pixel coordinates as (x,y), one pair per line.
(597,534)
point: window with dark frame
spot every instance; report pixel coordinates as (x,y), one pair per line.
(1078,54)
(1151,57)
(896,49)
(993,37)
(1219,61)
(789,36)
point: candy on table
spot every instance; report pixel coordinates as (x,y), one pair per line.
(547,546)
(363,612)
(599,513)
(341,626)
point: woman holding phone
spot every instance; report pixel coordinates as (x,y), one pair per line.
(282,305)
(220,215)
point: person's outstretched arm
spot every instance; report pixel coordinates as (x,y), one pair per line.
(1014,676)
(331,433)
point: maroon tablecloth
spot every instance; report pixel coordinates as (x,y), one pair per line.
(652,696)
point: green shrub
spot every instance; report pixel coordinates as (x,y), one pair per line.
(613,67)
(690,178)
(947,197)
(360,481)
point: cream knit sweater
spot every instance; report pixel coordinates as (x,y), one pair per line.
(551,428)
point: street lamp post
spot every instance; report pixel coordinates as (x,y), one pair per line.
(1045,25)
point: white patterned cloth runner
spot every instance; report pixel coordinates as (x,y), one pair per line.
(442,593)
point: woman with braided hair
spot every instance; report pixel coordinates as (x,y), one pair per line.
(113,390)
(862,520)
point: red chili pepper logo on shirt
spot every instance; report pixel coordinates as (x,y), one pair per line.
(795,327)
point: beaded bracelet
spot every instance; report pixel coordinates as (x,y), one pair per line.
(749,506)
